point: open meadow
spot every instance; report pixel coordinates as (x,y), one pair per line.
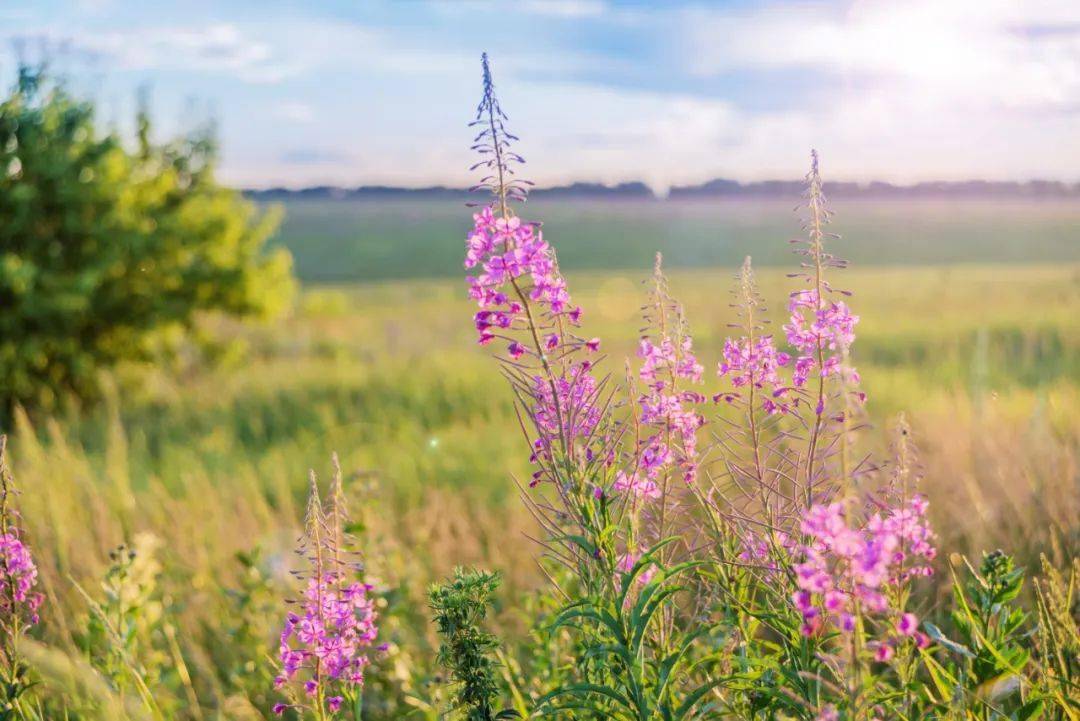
(205,466)
(518,360)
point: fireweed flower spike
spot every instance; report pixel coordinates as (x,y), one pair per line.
(19,602)
(668,364)
(525,307)
(821,330)
(526,315)
(752,362)
(324,640)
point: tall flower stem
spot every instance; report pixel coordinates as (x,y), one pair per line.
(501,191)
(815,204)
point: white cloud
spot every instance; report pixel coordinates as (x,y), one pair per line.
(919,89)
(971,53)
(294,112)
(217,48)
(563,8)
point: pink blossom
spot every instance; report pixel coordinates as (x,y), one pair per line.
(818,327)
(637,485)
(828,713)
(510,253)
(845,569)
(626,564)
(757,364)
(325,642)
(908,624)
(883,653)
(18,574)
(564,408)
(663,407)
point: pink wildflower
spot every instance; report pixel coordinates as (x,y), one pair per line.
(513,258)
(883,653)
(637,485)
(818,326)
(664,407)
(828,713)
(18,575)
(564,409)
(908,624)
(324,642)
(757,364)
(847,568)
(336,624)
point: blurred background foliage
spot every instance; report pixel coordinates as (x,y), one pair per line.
(108,253)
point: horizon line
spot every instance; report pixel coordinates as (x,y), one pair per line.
(711,188)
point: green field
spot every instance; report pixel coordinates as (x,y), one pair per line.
(969,325)
(377,240)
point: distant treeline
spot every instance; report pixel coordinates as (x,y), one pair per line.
(719,188)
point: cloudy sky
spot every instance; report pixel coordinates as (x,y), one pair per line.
(365,91)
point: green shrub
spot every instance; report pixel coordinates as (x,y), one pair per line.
(108,254)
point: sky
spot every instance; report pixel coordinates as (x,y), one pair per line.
(352,92)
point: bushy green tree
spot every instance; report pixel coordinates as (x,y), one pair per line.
(108,253)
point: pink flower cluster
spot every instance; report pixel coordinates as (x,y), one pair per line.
(565,408)
(507,249)
(845,569)
(327,639)
(756,364)
(19,576)
(814,325)
(662,407)
(637,485)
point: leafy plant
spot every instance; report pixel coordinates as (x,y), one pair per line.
(107,255)
(627,675)
(988,678)
(459,608)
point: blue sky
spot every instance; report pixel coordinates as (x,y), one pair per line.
(367,91)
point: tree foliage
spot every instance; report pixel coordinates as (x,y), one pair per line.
(107,253)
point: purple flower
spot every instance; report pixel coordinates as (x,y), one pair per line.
(626,564)
(757,364)
(828,713)
(663,407)
(883,653)
(908,624)
(636,485)
(512,256)
(818,326)
(18,574)
(846,569)
(324,641)
(565,406)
